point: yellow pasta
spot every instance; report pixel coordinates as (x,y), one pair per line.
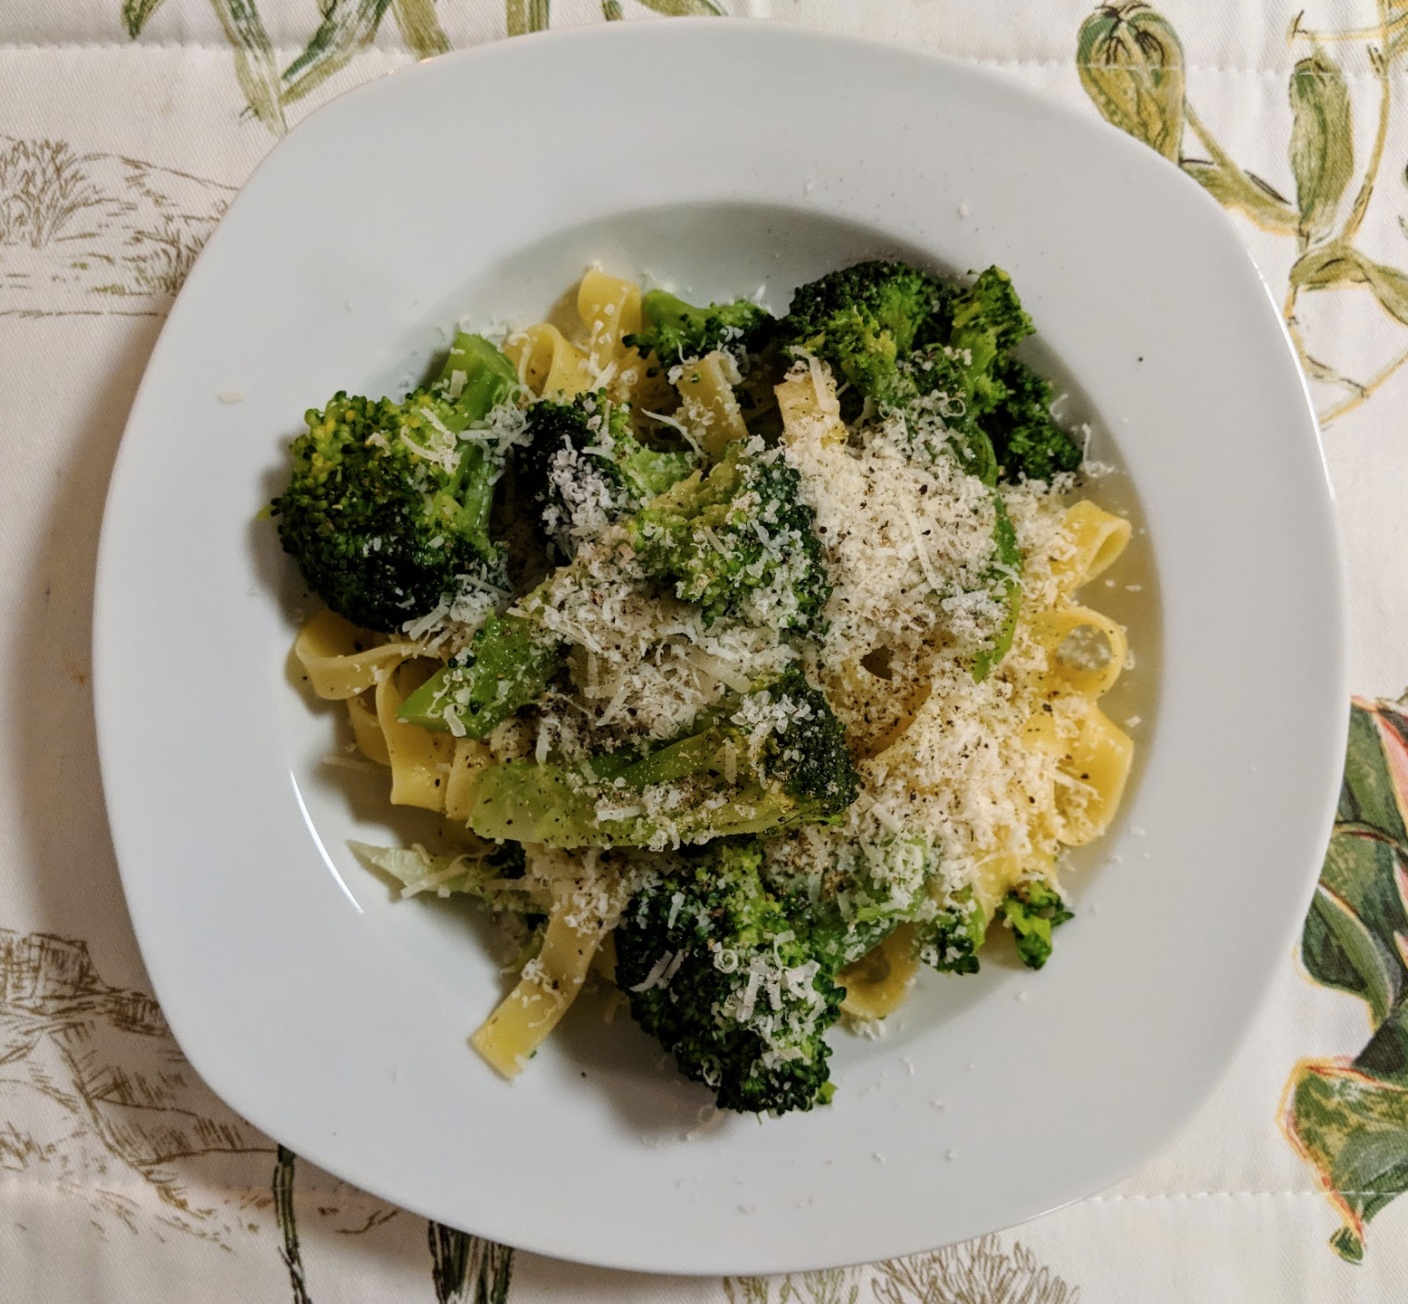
(420,760)
(548,363)
(366,730)
(610,309)
(1086,649)
(549,984)
(1014,765)
(470,757)
(880,981)
(1096,768)
(708,403)
(810,410)
(342,661)
(1097,538)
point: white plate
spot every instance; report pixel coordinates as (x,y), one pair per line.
(723,156)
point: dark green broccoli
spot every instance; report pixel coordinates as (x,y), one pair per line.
(1026,440)
(676,331)
(950,941)
(717,969)
(773,758)
(1032,909)
(865,320)
(387,506)
(508,664)
(586,468)
(913,344)
(738,541)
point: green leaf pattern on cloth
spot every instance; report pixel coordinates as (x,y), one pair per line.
(1322,142)
(1131,64)
(1348,1118)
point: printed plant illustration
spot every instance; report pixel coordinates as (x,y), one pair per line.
(464,1269)
(42,189)
(1348,1118)
(97,233)
(108,1101)
(348,27)
(1131,64)
(977,1272)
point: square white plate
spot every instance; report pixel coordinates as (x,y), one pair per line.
(720,156)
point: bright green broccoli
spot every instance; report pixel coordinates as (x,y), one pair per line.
(1005,577)
(931,384)
(1032,909)
(738,541)
(508,664)
(587,468)
(730,983)
(988,322)
(387,507)
(770,759)
(867,319)
(676,331)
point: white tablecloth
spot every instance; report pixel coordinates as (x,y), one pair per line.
(124,131)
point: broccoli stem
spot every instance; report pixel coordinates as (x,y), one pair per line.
(558,806)
(489,378)
(508,665)
(1006,573)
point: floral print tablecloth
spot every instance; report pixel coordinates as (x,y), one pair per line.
(126,126)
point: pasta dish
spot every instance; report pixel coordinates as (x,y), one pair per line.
(744,656)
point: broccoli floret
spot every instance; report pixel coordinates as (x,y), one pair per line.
(868,887)
(988,321)
(913,344)
(738,541)
(729,982)
(508,664)
(387,505)
(588,469)
(676,331)
(950,941)
(774,758)
(1025,438)
(1032,910)
(866,319)
(932,383)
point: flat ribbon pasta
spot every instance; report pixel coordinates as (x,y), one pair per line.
(878,983)
(708,404)
(1096,537)
(548,362)
(810,409)
(1003,870)
(471,756)
(610,309)
(420,760)
(548,986)
(1067,634)
(1095,769)
(342,661)
(366,731)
